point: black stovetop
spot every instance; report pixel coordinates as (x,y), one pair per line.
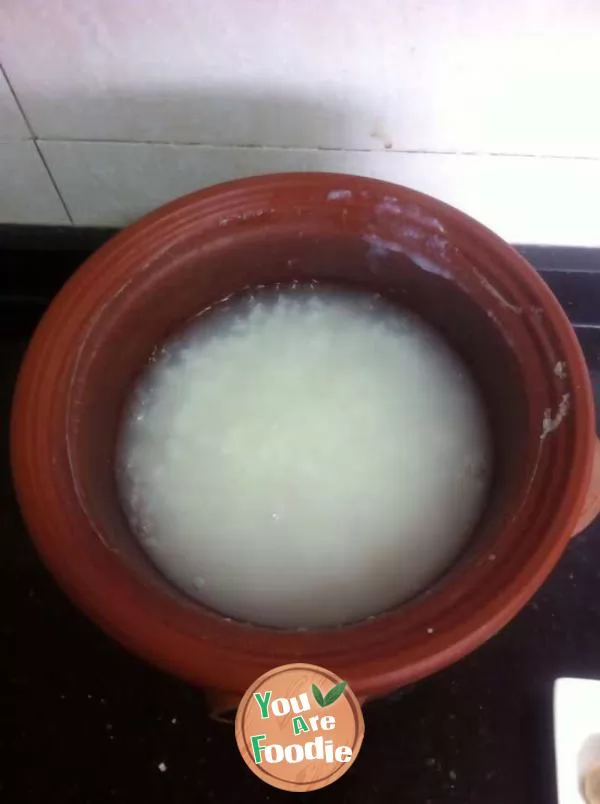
(84,722)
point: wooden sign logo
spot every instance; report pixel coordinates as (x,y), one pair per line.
(299,727)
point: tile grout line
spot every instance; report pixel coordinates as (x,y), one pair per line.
(34,140)
(53,182)
(319,149)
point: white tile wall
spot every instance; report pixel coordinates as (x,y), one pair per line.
(27,194)
(407,91)
(26,191)
(518,76)
(524,199)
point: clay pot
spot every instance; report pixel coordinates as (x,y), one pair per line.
(148,280)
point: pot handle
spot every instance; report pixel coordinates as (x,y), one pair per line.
(221,705)
(591,506)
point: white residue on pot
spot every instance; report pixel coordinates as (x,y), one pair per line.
(550,422)
(339,195)
(560,369)
(410,212)
(378,247)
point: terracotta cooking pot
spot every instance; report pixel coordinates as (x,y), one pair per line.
(152,277)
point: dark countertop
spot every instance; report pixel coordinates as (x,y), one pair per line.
(84,722)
